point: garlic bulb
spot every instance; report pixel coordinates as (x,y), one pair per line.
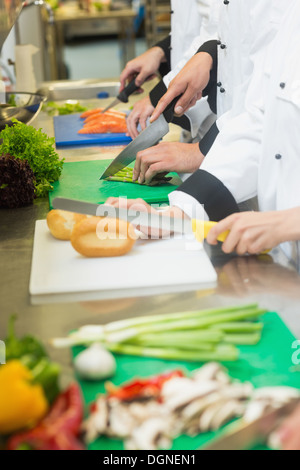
(95,363)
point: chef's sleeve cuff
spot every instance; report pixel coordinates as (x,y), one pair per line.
(165,45)
(156,94)
(188,204)
(211,48)
(208,191)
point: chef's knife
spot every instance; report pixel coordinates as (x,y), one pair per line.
(246,435)
(123,96)
(147,138)
(196,228)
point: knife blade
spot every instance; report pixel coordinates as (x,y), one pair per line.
(147,138)
(195,229)
(246,435)
(123,96)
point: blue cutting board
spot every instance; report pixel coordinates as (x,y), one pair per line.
(66,129)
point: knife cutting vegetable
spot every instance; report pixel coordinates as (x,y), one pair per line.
(147,138)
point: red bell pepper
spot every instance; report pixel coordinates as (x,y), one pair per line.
(140,388)
(59,429)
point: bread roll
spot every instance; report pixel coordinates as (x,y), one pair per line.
(61,223)
(102,237)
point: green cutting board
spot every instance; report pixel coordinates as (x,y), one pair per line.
(80,180)
(267,364)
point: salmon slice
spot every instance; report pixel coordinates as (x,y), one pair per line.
(99,110)
(105,127)
(104,118)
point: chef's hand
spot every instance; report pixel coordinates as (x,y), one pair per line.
(142,110)
(253,232)
(166,157)
(139,205)
(190,82)
(144,67)
(287,437)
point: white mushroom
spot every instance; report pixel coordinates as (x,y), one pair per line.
(231,409)
(209,372)
(196,390)
(152,434)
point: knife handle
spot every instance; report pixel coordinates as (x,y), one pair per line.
(169,111)
(128,90)
(202,227)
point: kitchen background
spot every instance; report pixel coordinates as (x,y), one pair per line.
(90,48)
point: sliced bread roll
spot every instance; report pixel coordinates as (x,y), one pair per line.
(103,237)
(61,223)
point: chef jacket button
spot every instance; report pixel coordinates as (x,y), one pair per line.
(278,156)
(226,2)
(282,85)
(222,90)
(223,46)
(219,43)
(219,84)
(172,11)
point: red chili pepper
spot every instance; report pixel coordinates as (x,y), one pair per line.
(59,429)
(143,387)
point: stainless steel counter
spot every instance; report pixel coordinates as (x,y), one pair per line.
(269,280)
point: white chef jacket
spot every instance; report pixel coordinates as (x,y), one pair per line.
(245,29)
(258,152)
(193,22)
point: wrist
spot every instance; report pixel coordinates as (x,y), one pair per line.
(198,158)
(206,60)
(290,225)
(159,54)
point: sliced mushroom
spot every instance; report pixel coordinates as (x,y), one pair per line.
(231,409)
(238,391)
(121,421)
(208,415)
(96,423)
(277,394)
(209,372)
(196,390)
(255,410)
(151,434)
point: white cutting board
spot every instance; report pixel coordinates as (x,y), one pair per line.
(152,267)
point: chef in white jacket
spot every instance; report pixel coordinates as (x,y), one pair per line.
(259,155)
(245,28)
(191,24)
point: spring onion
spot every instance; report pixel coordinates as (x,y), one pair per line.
(205,335)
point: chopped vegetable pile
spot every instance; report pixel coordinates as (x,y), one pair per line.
(148,414)
(16,182)
(27,143)
(53,108)
(109,122)
(208,335)
(126,174)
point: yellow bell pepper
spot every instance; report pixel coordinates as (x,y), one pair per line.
(22,404)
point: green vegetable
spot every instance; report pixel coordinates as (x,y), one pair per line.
(207,335)
(28,345)
(126,175)
(12,100)
(33,355)
(221,353)
(27,143)
(53,108)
